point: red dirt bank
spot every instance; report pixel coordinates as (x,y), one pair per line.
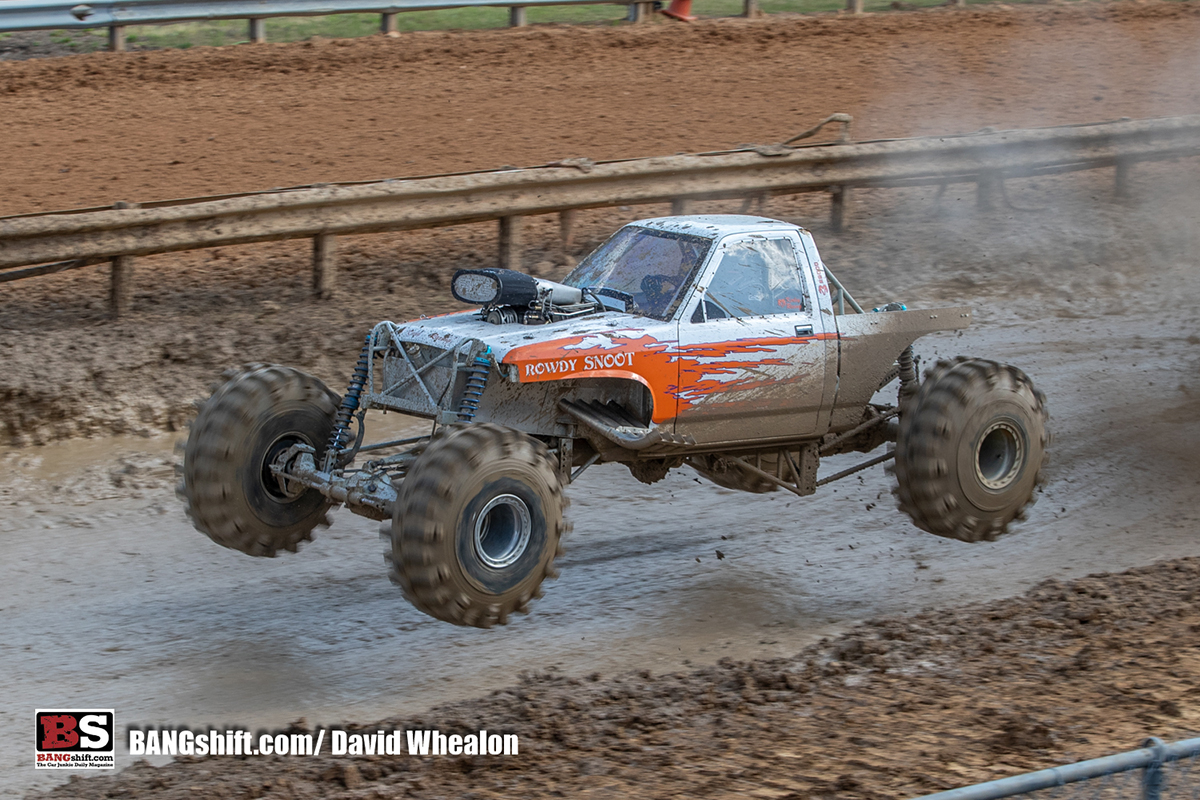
(90,130)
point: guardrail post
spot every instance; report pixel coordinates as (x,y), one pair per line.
(516,16)
(1121,185)
(680,206)
(116,38)
(510,243)
(837,208)
(566,227)
(258,30)
(854,6)
(120,297)
(324,266)
(750,9)
(986,190)
(756,202)
(389,23)
(1153,775)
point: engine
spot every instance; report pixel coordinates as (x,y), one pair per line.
(508,296)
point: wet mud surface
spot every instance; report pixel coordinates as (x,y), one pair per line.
(178,631)
(950,683)
(896,707)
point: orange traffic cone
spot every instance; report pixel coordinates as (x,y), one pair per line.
(680,10)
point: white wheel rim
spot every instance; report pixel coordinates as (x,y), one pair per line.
(999,456)
(502,531)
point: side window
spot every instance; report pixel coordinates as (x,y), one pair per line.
(755,277)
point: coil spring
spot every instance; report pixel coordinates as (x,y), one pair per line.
(477,378)
(909,382)
(341,423)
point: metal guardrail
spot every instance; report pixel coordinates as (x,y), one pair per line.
(1158,771)
(116,15)
(29,15)
(45,243)
(64,14)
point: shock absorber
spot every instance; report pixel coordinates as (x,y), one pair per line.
(477,378)
(341,423)
(908,373)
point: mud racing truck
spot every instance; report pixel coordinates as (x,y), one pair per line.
(721,343)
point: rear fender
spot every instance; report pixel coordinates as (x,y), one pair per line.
(868,346)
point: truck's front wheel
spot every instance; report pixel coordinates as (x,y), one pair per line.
(477,525)
(970,445)
(227,484)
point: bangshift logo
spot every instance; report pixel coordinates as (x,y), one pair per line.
(75,739)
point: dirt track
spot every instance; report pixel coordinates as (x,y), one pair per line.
(193,634)
(189,633)
(898,707)
(1097,300)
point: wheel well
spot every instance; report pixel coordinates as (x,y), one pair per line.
(633,395)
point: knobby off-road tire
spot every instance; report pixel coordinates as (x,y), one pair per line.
(971,444)
(477,524)
(227,487)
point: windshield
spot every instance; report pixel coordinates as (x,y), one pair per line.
(654,267)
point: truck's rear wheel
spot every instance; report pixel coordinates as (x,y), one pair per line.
(970,446)
(477,525)
(229,490)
